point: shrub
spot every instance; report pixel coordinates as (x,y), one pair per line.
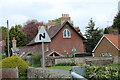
(102,72)
(65,64)
(13,62)
(35,60)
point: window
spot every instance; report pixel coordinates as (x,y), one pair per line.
(109,54)
(66,33)
(101,54)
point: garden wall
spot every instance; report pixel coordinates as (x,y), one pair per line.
(9,73)
(43,73)
(89,60)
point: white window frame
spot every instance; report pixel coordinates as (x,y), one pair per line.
(67,35)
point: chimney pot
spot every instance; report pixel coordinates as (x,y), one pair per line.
(14,43)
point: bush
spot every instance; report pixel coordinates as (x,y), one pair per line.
(35,61)
(13,62)
(65,64)
(102,72)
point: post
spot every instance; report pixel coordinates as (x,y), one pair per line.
(43,57)
(8,37)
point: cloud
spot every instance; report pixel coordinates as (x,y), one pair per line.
(80,11)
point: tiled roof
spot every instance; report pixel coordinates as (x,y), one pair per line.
(52,32)
(115,39)
(26,49)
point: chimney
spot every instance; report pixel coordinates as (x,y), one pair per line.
(51,23)
(14,43)
(65,17)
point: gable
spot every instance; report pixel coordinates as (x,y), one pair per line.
(113,42)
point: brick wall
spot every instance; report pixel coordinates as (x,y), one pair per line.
(9,73)
(94,60)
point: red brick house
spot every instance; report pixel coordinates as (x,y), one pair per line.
(65,40)
(109,45)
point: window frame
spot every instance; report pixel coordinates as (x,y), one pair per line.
(109,54)
(66,33)
(102,54)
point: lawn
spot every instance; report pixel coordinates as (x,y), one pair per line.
(61,67)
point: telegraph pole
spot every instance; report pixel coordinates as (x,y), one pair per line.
(8,37)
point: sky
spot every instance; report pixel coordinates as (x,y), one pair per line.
(80,11)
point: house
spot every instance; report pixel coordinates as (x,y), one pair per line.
(65,40)
(109,45)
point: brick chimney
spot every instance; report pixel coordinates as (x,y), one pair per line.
(51,23)
(65,17)
(14,43)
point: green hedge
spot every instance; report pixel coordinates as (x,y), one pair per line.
(13,62)
(65,64)
(102,72)
(35,61)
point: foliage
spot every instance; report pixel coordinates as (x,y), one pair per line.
(116,22)
(4,56)
(35,60)
(61,67)
(3,31)
(93,35)
(102,72)
(58,20)
(13,62)
(17,32)
(31,29)
(65,64)
(106,31)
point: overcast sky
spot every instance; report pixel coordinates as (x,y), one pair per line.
(80,11)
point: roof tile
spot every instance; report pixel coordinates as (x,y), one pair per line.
(115,39)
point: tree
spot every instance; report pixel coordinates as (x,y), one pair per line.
(116,22)
(106,31)
(31,29)
(58,20)
(17,32)
(3,33)
(93,35)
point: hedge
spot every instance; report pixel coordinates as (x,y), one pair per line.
(13,62)
(98,72)
(65,64)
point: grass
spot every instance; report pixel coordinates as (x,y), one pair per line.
(61,67)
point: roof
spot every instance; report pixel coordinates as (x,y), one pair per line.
(52,32)
(113,39)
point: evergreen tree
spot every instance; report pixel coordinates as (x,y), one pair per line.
(106,31)
(116,22)
(93,35)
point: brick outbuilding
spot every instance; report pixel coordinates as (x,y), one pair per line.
(109,45)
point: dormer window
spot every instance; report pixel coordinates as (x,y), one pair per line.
(66,33)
